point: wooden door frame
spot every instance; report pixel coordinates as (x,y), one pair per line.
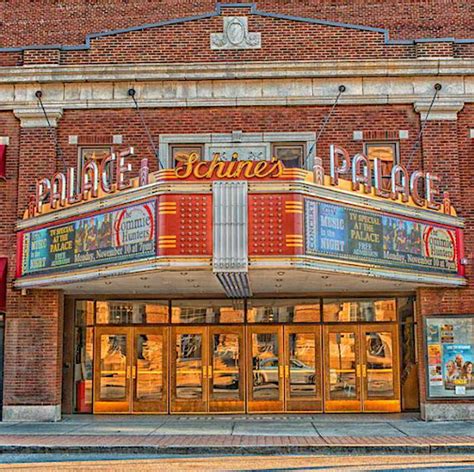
(111,406)
(304,404)
(179,406)
(265,406)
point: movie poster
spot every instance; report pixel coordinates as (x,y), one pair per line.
(435,376)
(124,234)
(450,356)
(457,367)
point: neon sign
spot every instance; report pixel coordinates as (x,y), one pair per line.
(217,169)
(402,184)
(106,177)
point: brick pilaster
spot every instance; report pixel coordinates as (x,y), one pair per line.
(33,357)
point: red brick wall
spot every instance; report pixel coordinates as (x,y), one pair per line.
(446,150)
(33,347)
(9,126)
(282,39)
(344,121)
(446,147)
(35,320)
(33,339)
(25,22)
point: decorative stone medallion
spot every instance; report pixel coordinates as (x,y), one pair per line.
(236,35)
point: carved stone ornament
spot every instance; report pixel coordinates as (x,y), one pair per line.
(236,35)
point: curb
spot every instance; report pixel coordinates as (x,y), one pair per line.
(244,450)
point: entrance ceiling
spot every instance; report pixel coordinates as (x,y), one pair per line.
(204,283)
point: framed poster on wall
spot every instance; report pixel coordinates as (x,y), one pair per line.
(449,350)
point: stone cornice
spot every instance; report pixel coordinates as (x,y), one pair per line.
(241,70)
(242,84)
(35,118)
(441,109)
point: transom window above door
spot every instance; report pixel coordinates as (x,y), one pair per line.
(295,150)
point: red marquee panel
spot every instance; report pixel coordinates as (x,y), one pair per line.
(185,225)
(275,224)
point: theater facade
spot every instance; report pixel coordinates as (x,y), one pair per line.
(240,211)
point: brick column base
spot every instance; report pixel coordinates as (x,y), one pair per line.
(31,413)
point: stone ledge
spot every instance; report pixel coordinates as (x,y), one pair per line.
(441,110)
(226,70)
(447,411)
(29,413)
(34,117)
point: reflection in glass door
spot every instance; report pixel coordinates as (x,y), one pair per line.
(112,371)
(149,372)
(342,369)
(361,372)
(380,373)
(226,380)
(188,370)
(266,369)
(206,369)
(130,370)
(303,368)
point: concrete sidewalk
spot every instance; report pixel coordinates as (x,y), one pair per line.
(269,434)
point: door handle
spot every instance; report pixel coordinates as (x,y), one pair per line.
(280,371)
(287,371)
(134,372)
(209,371)
(364,370)
(204,371)
(358,370)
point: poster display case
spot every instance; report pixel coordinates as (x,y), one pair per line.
(449,350)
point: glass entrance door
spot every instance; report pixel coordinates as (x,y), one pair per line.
(130,370)
(225,369)
(266,369)
(206,369)
(303,390)
(149,370)
(380,368)
(361,368)
(284,368)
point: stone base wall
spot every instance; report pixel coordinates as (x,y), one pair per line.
(447,411)
(31,413)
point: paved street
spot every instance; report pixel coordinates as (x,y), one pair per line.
(247,463)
